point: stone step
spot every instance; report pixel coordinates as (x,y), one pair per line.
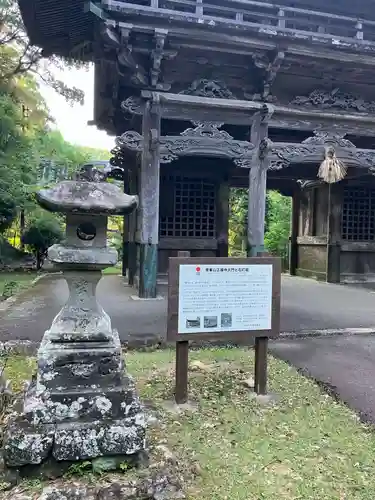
(81,403)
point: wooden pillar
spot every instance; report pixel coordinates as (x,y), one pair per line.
(125,233)
(261,359)
(132,223)
(149,202)
(335,193)
(257,185)
(222,218)
(293,245)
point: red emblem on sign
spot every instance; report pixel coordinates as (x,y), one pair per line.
(198,269)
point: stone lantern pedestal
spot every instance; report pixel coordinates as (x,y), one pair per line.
(82,404)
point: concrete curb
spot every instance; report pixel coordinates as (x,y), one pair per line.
(152,342)
(333,332)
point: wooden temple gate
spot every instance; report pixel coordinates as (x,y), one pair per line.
(205,95)
(182,209)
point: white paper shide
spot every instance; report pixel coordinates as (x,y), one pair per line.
(218,298)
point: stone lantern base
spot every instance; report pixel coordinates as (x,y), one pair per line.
(82,404)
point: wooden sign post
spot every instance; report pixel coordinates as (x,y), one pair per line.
(223,299)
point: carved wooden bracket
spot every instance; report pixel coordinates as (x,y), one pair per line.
(282,155)
(157,55)
(333,138)
(133,105)
(119,41)
(207,140)
(270,65)
(204,140)
(313,149)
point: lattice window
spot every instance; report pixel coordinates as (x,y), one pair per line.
(358,214)
(194,206)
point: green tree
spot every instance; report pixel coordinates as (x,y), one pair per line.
(237,222)
(41,233)
(8,212)
(277,223)
(18,57)
(27,142)
(278,230)
(17,159)
(59,158)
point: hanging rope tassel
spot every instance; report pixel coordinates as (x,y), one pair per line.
(332,169)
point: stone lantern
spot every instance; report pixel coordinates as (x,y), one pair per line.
(82,404)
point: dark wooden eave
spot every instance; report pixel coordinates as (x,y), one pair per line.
(239,112)
(234,47)
(58,26)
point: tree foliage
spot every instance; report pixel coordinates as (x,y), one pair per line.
(277,224)
(17,162)
(8,212)
(28,145)
(18,57)
(42,232)
(237,222)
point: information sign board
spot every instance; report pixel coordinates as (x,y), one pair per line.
(223,298)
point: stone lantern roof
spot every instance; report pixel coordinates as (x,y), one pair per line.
(95,198)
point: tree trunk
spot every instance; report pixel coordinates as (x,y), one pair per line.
(39,260)
(22,229)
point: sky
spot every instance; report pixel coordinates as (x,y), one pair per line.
(72,120)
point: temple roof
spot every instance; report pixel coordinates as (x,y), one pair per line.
(294,53)
(58,26)
(63,26)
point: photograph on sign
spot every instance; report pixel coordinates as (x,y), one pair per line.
(217,298)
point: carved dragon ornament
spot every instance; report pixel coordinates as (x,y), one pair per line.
(334,99)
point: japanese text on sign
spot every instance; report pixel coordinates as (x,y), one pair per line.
(218,298)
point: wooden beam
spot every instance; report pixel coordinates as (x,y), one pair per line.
(231,41)
(191,103)
(239,112)
(257,185)
(149,202)
(242,106)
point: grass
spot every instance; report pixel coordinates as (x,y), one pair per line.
(304,446)
(18,369)
(113,270)
(20,280)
